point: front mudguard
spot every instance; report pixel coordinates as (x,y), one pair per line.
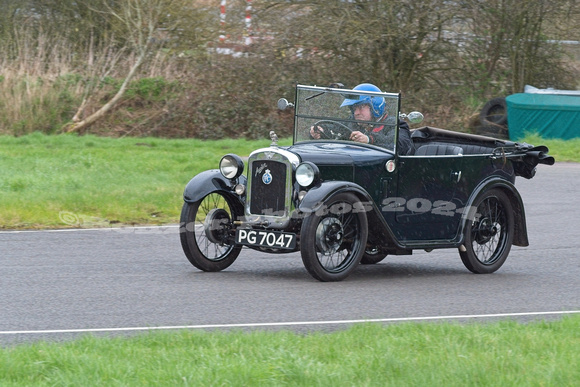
(209,182)
(317,196)
(379,232)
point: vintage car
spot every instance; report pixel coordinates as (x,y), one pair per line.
(342,203)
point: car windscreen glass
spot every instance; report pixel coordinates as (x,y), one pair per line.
(330,112)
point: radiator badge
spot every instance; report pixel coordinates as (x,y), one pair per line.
(267,177)
(260,169)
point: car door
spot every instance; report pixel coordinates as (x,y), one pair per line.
(425,206)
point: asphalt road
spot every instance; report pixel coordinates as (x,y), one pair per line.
(77,280)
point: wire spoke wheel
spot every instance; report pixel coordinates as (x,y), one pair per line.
(206,230)
(333,243)
(489,233)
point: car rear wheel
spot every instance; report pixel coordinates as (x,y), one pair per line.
(205,229)
(372,256)
(333,239)
(489,233)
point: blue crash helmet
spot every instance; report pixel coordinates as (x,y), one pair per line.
(377,104)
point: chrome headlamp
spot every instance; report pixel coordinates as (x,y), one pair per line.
(307,174)
(231,166)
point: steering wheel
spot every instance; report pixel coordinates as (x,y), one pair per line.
(333,130)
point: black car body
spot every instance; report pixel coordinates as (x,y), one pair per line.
(341,203)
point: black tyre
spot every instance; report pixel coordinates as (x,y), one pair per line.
(205,231)
(489,233)
(333,240)
(372,256)
(494,112)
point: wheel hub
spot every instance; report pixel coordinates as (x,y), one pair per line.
(329,235)
(216,225)
(485,231)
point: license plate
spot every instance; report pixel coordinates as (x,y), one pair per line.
(263,238)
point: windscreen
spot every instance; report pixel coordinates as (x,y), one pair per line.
(328,114)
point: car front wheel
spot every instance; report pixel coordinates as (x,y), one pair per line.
(205,232)
(489,233)
(333,239)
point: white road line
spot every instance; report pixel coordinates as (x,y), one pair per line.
(282,324)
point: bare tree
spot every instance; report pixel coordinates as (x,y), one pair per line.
(396,44)
(511,43)
(144,24)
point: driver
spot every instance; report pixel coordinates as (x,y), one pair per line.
(368,108)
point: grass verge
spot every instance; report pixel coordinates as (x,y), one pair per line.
(88,181)
(496,354)
(562,150)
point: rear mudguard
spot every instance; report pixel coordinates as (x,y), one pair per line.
(208,182)
(379,232)
(520,228)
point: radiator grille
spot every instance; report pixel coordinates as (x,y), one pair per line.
(268,187)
